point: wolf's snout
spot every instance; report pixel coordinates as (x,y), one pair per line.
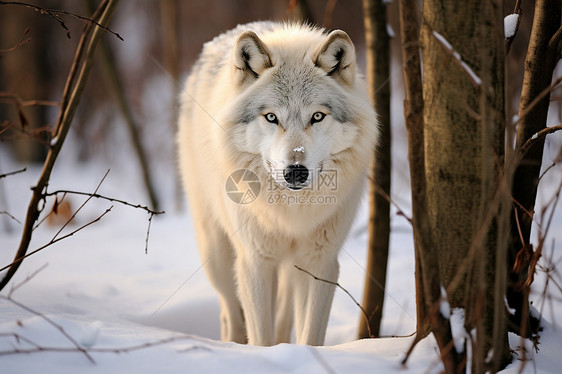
(296,175)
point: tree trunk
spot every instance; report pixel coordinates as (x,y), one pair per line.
(413,115)
(464,122)
(378,73)
(539,66)
(170,13)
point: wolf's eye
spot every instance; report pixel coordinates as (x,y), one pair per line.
(271,118)
(317,117)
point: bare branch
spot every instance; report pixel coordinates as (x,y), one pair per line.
(148,232)
(18,260)
(36,348)
(343,289)
(13,173)
(52,323)
(26,280)
(525,111)
(382,192)
(81,206)
(55,14)
(13,98)
(538,136)
(554,42)
(23,40)
(11,216)
(516,10)
(72,93)
(98,196)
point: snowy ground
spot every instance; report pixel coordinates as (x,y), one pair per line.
(114,300)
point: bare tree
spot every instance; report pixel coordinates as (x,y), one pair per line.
(378,75)
(458,186)
(542,55)
(413,114)
(72,93)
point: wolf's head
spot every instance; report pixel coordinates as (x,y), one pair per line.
(300,105)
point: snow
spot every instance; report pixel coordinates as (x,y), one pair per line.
(444,306)
(299,149)
(535,136)
(156,312)
(390,31)
(510,25)
(468,70)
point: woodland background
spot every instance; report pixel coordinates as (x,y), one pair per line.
(125,120)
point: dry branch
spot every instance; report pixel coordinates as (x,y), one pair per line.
(541,59)
(56,13)
(12,173)
(73,90)
(539,136)
(23,40)
(18,260)
(509,41)
(344,290)
(36,348)
(98,196)
(115,84)
(52,323)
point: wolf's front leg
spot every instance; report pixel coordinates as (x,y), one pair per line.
(255,276)
(313,299)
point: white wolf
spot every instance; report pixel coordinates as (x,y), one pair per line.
(282,107)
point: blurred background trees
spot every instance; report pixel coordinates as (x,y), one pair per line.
(162,40)
(130,102)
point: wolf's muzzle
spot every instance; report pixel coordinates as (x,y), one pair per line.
(296,176)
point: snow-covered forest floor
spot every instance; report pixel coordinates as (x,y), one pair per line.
(156,312)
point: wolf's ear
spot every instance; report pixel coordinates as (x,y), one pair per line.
(251,57)
(337,57)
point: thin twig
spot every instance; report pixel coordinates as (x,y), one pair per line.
(386,196)
(52,323)
(27,279)
(148,233)
(344,290)
(546,170)
(15,99)
(538,136)
(525,111)
(20,42)
(98,196)
(57,202)
(11,216)
(13,173)
(20,259)
(55,14)
(554,42)
(398,336)
(81,206)
(73,90)
(516,10)
(37,348)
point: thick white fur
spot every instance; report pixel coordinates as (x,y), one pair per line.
(249,251)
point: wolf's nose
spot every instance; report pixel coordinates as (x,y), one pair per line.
(296,175)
